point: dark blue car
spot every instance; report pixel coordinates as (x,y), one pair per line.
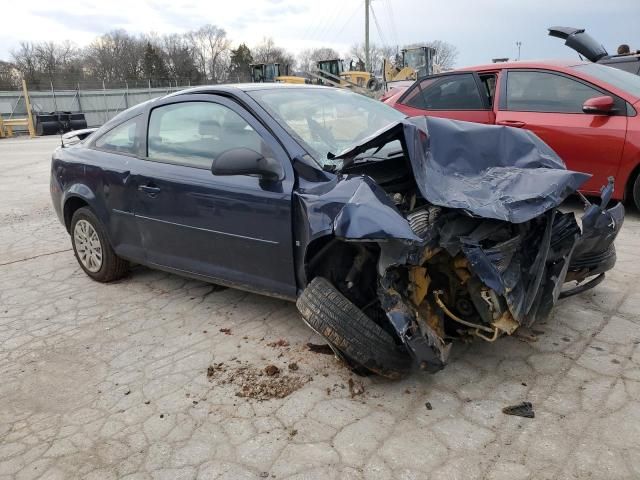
(393,235)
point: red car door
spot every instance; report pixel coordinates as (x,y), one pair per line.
(451,95)
(550,105)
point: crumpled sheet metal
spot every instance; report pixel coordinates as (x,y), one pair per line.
(489,171)
(355,208)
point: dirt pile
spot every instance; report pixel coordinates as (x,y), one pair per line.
(257,383)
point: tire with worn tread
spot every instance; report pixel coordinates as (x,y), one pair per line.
(347,329)
(113,267)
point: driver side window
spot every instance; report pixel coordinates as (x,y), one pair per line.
(193,134)
(455,92)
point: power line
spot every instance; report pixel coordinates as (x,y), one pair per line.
(353,14)
(321,27)
(380,34)
(392,21)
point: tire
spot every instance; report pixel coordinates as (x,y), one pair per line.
(373,84)
(110,267)
(358,339)
(635,191)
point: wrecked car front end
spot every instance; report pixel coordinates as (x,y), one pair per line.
(458,237)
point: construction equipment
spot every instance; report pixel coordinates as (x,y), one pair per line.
(6,126)
(332,72)
(270,72)
(411,64)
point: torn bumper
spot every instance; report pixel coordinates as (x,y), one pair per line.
(481,278)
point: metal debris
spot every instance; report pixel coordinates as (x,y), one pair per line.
(522,409)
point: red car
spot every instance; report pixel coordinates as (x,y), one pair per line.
(586,112)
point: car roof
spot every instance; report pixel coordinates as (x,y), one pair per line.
(559,63)
(247,87)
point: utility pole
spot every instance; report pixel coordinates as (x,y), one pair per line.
(367,63)
(518,44)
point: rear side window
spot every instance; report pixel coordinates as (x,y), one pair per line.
(546,92)
(455,92)
(631,67)
(121,139)
(195,133)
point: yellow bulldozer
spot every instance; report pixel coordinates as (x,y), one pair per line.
(333,72)
(270,73)
(410,64)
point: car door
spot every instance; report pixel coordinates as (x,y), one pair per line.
(456,95)
(235,229)
(119,149)
(550,105)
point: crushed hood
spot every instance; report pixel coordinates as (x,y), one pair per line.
(489,171)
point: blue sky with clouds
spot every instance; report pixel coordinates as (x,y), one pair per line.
(481,30)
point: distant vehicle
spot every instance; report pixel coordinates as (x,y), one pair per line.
(271,73)
(392,245)
(592,50)
(411,64)
(333,72)
(586,112)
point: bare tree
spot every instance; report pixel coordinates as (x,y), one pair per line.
(115,56)
(308,58)
(268,52)
(9,76)
(56,60)
(210,49)
(25,60)
(446,54)
(377,53)
(179,58)
(46,62)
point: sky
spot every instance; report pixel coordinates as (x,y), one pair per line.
(480,29)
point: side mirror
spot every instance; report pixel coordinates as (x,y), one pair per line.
(599,105)
(244,161)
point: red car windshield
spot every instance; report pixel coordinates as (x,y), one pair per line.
(626,81)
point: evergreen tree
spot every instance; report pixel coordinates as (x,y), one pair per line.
(241,58)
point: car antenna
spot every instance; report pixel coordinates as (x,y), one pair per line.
(60,131)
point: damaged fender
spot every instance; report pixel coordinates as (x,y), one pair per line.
(480,247)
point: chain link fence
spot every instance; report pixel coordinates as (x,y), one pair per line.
(98,101)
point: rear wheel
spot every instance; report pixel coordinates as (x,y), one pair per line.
(92,249)
(355,338)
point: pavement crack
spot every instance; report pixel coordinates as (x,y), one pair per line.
(34,257)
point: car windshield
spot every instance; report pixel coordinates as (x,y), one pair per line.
(626,81)
(326,120)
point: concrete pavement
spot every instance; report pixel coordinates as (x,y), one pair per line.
(113,381)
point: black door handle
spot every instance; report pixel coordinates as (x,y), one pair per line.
(149,189)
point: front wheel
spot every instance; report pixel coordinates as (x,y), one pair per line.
(353,336)
(92,248)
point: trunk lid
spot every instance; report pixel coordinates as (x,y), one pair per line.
(580,41)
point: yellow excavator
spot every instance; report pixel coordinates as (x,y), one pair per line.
(270,73)
(333,72)
(411,64)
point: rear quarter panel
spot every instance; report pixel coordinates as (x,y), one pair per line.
(102,180)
